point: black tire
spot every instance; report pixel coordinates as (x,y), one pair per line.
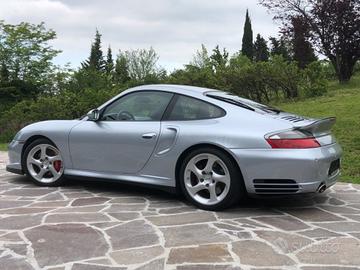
(26,170)
(236,190)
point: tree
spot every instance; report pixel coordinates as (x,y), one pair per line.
(121,74)
(96,60)
(142,64)
(279,46)
(201,58)
(261,50)
(25,52)
(219,59)
(333,25)
(247,40)
(109,66)
(303,51)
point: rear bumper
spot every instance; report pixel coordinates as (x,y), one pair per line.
(290,171)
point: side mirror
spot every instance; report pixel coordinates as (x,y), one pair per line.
(93,115)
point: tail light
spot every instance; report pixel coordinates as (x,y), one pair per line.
(292,139)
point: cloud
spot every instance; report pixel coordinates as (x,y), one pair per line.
(175,28)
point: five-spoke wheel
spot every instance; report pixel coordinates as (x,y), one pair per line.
(43,163)
(210,179)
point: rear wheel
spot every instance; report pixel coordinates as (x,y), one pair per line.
(210,179)
(43,163)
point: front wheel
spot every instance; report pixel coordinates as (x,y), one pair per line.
(43,163)
(210,179)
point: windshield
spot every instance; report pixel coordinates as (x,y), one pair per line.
(242,102)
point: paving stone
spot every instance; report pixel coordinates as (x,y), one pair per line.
(153,265)
(62,243)
(285,223)
(248,223)
(245,212)
(83,266)
(257,253)
(19,222)
(89,201)
(335,201)
(129,200)
(10,237)
(353,217)
(83,209)
(328,268)
(11,263)
(207,267)
(20,249)
(53,197)
(344,251)
(357,235)
(191,235)
(125,208)
(313,214)
(181,219)
(72,217)
(319,233)
(24,211)
(340,209)
(347,197)
(224,226)
(136,256)
(178,210)
(125,216)
(29,192)
(13,204)
(54,204)
(132,234)
(286,242)
(201,254)
(343,226)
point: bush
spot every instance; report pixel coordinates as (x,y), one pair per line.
(314,80)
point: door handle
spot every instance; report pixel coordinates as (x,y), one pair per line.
(149,135)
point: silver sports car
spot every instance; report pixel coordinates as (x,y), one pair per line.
(210,145)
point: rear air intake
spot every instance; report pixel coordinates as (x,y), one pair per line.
(275,186)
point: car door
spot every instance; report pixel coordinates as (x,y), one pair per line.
(125,136)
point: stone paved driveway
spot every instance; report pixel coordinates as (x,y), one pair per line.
(86,226)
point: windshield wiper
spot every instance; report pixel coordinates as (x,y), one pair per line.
(232,101)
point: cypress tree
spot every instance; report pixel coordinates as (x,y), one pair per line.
(247,40)
(261,50)
(280,47)
(109,66)
(96,60)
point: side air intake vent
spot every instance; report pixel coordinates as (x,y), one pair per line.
(275,186)
(293,119)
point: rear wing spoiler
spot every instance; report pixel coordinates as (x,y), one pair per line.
(319,127)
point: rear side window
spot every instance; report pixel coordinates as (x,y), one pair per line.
(187,108)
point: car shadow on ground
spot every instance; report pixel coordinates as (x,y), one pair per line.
(126,189)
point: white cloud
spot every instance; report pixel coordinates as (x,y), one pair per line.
(175,28)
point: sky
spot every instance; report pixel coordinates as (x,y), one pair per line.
(174,28)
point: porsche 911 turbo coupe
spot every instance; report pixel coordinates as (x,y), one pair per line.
(212,146)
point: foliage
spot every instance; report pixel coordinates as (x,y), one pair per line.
(299,33)
(261,50)
(247,40)
(334,28)
(96,60)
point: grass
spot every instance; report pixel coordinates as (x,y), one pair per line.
(3,146)
(342,101)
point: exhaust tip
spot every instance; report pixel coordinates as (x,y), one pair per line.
(322,188)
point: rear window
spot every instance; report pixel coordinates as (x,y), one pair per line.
(242,102)
(187,108)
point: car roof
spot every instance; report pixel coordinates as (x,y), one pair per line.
(174,88)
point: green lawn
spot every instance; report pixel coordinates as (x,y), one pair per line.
(342,101)
(3,146)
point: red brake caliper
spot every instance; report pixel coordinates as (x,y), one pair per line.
(57,165)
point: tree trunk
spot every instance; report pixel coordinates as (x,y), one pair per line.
(343,67)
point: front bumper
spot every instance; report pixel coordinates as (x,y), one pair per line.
(14,152)
(284,169)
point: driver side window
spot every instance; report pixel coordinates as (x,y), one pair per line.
(138,106)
